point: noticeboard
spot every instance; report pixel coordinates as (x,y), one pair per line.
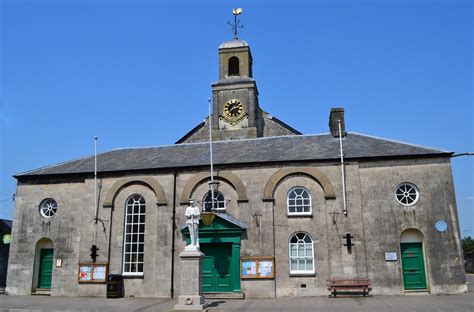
(92,272)
(257,267)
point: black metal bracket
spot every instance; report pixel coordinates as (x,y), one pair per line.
(348,237)
(94,253)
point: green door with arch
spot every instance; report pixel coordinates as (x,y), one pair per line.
(413,266)
(45,268)
(220,244)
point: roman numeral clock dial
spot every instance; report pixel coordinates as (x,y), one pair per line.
(233,111)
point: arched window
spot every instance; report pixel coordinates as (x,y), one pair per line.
(219,201)
(301,254)
(134,235)
(234,64)
(299,201)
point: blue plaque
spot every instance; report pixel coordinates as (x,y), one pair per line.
(441,226)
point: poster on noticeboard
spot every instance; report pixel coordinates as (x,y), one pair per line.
(257,267)
(92,273)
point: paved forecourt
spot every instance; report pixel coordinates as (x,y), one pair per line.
(416,302)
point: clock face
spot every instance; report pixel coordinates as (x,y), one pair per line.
(233,110)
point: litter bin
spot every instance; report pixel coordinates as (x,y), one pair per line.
(115,286)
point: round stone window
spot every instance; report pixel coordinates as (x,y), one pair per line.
(48,208)
(407,194)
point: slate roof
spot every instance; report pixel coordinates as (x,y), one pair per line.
(292,148)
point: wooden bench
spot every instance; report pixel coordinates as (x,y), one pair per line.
(362,285)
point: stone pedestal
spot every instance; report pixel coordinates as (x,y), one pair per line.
(191,298)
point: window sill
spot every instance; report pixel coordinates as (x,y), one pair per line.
(300,215)
(132,275)
(302,274)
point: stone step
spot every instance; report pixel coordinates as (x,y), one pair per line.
(41,292)
(224,295)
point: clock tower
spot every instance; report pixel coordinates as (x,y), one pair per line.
(236,112)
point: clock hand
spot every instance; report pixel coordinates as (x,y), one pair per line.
(233,108)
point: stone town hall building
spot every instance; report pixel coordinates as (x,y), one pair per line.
(283,218)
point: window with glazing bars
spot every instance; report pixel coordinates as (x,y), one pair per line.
(301,254)
(299,201)
(134,235)
(219,201)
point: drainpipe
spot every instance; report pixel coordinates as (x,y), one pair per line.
(274,248)
(173,235)
(110,237)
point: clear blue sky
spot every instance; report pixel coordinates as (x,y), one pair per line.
(138,73)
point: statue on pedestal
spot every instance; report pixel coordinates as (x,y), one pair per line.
(192,221)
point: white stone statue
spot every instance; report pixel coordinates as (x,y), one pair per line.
(192,221)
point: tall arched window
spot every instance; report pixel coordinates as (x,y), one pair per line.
(134,235)
(219,201)
(299,201)
(301,254)
(234,64)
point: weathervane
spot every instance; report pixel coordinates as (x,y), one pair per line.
(235,25)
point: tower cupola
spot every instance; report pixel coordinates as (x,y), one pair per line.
(235,60)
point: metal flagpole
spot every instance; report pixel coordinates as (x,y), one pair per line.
(211,184)
(343,173)
(96,218)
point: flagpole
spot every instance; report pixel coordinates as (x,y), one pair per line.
(343,173)
(96,215)
(211,184)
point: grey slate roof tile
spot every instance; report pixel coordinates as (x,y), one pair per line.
(252,151)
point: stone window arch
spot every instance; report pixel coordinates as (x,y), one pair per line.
(226,176)
(313,173)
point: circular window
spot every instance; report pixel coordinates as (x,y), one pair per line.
(48,208)
(407,194)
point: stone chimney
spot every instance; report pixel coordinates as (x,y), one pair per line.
(336,115)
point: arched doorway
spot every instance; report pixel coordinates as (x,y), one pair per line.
(220,244)
(44,252)
(413,262)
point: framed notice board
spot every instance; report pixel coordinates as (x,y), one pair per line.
(93,272)
(257,267)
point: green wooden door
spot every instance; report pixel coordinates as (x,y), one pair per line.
(216,267)
(413,266)
(45,268)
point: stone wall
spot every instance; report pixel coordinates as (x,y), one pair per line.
(375,220)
